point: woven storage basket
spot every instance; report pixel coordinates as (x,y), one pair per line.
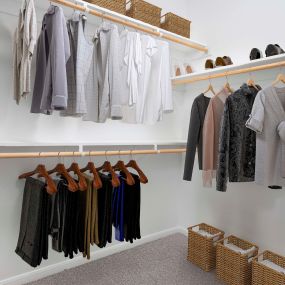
(235,268)
(263,275)
(145,12)
(118,6)
(201,249)
(176,24)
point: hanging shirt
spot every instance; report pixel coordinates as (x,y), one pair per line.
(53,52)
(130,66)
(195,135)
(159,90)
(24,44)
(78,66)
(92,88)
(236,159)
(108,72)
(149,48)
(211,134)
(267,113)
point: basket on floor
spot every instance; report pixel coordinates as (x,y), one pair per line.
(202,240)
(144,11)
(118,6)
(268,268)
(234,260)
(176,24)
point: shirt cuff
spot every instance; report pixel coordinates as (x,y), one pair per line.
(116,112)
(254,125)
(59,102)
(208,176)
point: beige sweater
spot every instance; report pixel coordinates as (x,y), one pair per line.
(211,133)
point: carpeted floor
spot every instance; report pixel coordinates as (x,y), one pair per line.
(162,262)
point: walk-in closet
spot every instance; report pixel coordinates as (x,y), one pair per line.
(142,142)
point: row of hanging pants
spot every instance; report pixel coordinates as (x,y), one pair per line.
(77,220)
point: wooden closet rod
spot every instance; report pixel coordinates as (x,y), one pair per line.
(153,31)
(194,78)
(88,153)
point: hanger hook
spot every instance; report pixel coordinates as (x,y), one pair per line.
(58,156)
(90,155)
(120,155)
(106,155)
(73,156)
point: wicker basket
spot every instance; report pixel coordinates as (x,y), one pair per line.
(176,24)
(235,268)
(263,275)
(145,12)
(201,249)
(118,6)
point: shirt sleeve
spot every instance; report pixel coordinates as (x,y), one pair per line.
(166,85)
(114,76)
(223,156)
(193,138)
(32,27)
(208,146)
(59,55)
(256,118)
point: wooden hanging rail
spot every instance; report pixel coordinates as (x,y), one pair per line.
(198,77)
(132,23)
(89,153)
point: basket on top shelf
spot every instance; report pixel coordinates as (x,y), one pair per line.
(145,12)
(268,268)
(176,24)
(234,260)
(202,240)
(118,6)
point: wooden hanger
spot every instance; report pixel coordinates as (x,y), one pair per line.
(280,78)
(120,166)
(41,170)
(250,82)
(210,88)
(97,183)
(227,86)
(107,167)
(133,164)
(61,170)
(82,184)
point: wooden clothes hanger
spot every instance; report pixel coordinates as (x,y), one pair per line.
(120,166)
(250,82)
(210,88)
(133,164)
(227,86)
(42,172)
(82,184)
(280,79)
(97,183)
(107,167)
(61,170)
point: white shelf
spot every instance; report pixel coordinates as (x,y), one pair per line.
(86,144)
(133,23)
(203,75)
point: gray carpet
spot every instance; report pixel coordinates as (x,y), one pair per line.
(159,262)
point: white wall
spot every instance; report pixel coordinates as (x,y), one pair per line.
(17,124)
(252,212)
(232,28)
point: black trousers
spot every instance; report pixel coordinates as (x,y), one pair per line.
(32,244)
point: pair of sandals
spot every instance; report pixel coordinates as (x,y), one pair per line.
(271,50)
(220,61)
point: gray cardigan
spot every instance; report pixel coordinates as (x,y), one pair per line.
(195,135)
(53,52)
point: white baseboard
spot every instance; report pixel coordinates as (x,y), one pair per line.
(95,255)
